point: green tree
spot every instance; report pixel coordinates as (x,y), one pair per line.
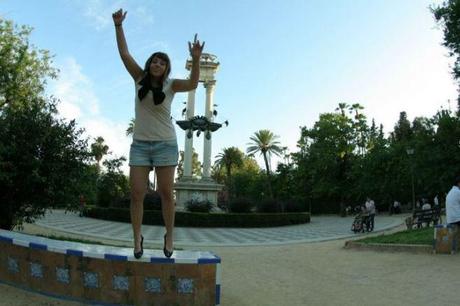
(42,161)
(112,185)
(130,129)
(229,158)
(360,128)
(402,131)
(88,183)
(265,143)
(41,158)
(23,69)
(327,153)
(196,165)
(98,150)
(448,16)
(442,158)
(331,147)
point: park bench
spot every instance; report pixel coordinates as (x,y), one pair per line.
(426,216)
(110,275)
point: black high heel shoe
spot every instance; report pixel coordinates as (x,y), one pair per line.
(139,254)
(165,251)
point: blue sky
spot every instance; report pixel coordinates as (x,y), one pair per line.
(282,63)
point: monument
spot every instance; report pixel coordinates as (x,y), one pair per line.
(189,187)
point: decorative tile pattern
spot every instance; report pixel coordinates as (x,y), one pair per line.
(152,284)
(90,279)
(63,275)
(185,285)
(36,270)
(13,265)
(120,282)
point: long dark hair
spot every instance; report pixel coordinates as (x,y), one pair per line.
(146,83)
(164,57)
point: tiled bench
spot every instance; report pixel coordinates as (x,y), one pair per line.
(109,275)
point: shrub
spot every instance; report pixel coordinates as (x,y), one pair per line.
(193,219)
(240,205)
(269,206)
(112,185)
(122,202)
(152,201)
(222,200)
(194,205)
(295,205)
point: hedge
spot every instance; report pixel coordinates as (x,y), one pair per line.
(189,219)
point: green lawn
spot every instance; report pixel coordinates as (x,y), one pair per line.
(415,236)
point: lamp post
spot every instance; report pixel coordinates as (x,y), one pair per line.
(410,152)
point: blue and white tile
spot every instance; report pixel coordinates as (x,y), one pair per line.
(185,285)
(36,270)
(13,264)
(120,282)
(152,284)
(91,279)
(63,275)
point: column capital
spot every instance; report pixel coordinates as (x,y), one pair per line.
(209,83)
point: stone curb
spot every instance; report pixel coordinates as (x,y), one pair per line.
(387,247)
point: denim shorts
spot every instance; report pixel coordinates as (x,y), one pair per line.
(153,153)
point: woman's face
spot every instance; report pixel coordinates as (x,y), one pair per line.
(158,67)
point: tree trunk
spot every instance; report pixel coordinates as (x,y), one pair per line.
(270,191)
(229,181)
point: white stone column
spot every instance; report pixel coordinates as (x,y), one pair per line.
(188,150)
(209,85)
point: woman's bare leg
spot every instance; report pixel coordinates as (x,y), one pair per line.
(165,182)
(138,179)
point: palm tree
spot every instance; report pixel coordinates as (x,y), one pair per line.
(342,107)
(130,129)
(228,158)
(98,150)
(266,143)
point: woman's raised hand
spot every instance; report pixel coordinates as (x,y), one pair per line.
(195,48)
(119,16)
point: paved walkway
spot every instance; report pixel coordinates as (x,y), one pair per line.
(321,228)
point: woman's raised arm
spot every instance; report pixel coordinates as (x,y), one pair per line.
(133,68)
(195,50)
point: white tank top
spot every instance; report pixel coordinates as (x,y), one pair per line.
(153,122)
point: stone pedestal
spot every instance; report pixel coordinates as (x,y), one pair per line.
(188,188)
(446,239)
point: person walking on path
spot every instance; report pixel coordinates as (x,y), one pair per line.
(370,209)
(453,203)
(154,145)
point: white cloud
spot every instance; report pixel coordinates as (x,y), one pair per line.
(79,101)
(144,15)
(75,91)
(99,13)
(149,48)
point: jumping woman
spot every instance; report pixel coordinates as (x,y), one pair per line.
(154,145)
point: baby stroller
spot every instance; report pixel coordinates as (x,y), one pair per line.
(360,223)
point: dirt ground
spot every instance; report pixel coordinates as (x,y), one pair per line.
(316,274)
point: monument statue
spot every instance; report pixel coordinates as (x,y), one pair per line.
(188,187)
